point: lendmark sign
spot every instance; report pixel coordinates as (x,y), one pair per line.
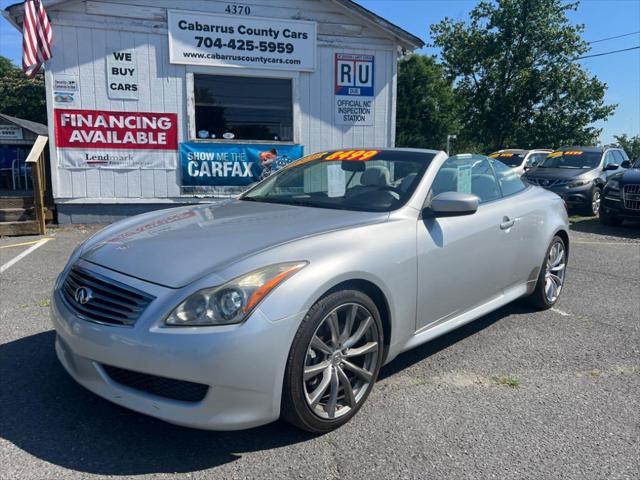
(92,138)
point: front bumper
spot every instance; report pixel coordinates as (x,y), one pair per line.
(613,204)
(242,365)
(578,197)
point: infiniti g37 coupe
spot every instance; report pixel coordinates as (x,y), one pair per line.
(286,301)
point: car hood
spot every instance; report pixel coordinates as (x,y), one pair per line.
(630,176)
(178,246)
(557,173)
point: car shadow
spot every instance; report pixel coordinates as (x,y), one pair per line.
(47,414)
(628,229)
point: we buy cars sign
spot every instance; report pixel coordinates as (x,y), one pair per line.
(96,138)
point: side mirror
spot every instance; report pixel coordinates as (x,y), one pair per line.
(452,204)
(626,164)
(612,166)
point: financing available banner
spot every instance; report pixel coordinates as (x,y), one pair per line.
(232,165)
(118,140)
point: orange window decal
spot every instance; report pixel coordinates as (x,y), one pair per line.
(361,155)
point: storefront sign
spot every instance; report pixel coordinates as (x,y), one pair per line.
(132,140)
(232,165)
(65,83)
(228,40)
(122,75)
(10,132)
(354,89)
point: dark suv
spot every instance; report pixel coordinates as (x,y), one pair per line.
(578,174)
(621,196)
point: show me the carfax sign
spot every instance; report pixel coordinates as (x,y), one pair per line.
(230,40)
(120,140)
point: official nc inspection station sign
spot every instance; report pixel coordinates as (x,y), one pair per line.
(232,41)
(232,165)
(354,89)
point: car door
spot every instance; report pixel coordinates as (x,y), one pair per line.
(461,262)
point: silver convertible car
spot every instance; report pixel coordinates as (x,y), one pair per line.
(286,301)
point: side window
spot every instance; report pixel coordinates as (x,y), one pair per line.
(609,158)
(509,181)
(619,156)
(467,174)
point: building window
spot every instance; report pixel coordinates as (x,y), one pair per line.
(243,108)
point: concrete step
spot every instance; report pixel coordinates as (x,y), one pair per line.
(15,202)
(16,214)
(18,228)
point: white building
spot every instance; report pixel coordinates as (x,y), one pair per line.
(159,102)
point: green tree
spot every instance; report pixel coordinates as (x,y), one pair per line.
(20,96)
(426,107)
(631,145)
(516,75)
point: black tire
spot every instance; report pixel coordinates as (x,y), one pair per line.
(295,409)
(538,299)
(609,218)
(589,209)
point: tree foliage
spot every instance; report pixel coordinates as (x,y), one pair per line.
(631,145)
(516,75)
(426,110)
(19,96)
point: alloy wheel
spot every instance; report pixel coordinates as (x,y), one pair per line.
(340,361)
(595,201)
(554,271)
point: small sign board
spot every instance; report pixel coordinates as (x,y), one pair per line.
(354,89)
(10,132)
(122,75)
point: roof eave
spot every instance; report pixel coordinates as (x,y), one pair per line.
(406,40)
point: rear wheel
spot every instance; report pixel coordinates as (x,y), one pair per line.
(551,277)
(333,363)
(609,218)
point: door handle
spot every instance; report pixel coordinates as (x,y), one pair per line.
(507,223)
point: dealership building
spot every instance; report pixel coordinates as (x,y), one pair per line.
(153,103)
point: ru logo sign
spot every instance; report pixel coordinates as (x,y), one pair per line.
(354,75)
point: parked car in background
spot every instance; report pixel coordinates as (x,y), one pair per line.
(520,160)
(288,300)
(578,175)
(621,196)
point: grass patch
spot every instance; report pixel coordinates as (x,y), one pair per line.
(507,381)
(43,303)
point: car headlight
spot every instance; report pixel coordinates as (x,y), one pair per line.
(234,301)
(613,184)
(578,183)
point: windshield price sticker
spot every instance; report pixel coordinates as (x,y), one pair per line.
(307,159)
(574,152)
(232,40)
(361,155)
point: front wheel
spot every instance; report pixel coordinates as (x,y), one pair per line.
(609,218)
(333,363)
(551,277)
(593,208)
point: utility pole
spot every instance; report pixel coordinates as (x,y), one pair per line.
(449,138)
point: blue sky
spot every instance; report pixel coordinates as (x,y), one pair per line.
(602,18)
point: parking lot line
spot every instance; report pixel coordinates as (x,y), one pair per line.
(582,242)
(23,244)
(19,257)
(564,314)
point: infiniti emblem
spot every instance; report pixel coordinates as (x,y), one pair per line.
(83,295)
(545,182)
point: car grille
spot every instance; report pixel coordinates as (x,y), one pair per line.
(631,196)
(546,183)
(163,387)
(105,300)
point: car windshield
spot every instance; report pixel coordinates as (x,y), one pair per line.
(510,159)
(571,159)
(360,180)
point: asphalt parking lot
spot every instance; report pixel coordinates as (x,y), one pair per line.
(517,394)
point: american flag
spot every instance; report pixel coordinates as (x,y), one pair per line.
(36,37)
